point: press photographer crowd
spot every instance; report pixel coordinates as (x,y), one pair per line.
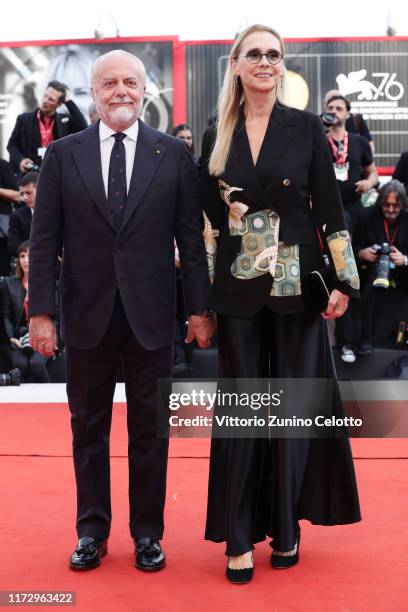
(376,215)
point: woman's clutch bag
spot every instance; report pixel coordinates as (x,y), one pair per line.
(317,286)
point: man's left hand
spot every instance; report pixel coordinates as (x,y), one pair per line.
(202,329)
(363,186)
(397,257)
(337,306)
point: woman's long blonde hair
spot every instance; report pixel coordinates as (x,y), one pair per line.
(230,99)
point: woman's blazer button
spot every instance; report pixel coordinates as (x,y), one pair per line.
(286,182)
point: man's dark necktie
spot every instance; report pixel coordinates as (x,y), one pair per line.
(117,187)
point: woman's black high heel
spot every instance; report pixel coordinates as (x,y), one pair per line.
(240,576)
(284,562)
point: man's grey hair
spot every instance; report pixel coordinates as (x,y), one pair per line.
(118,53)
(396,187)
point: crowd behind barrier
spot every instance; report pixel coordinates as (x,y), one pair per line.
(377,219)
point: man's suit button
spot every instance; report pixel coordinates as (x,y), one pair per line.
(286,182)
(117,250)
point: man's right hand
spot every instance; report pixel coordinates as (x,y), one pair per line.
(368,254)
(26,164)
(43,335)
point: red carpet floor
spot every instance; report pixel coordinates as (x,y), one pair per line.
(354,568)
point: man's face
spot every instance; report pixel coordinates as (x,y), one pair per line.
(390,208)
(339,109)
(117,89)
(27,194)
(51,100)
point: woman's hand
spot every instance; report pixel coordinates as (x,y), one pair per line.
(16,342)
(337,306)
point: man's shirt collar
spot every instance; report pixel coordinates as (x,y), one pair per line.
(106,132)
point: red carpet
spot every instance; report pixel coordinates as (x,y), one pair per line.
(355,568)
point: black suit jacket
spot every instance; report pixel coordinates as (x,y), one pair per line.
(401,170)
(25,138)
(138,261)
(13,294)
(7,181)
(19,228)
(296,166)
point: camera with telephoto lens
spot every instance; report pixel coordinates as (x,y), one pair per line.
(33,167)
(25,344)
(382,271)
(328,119)
(11,378)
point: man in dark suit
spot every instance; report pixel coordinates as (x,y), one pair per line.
(120,192)
(21,218)
(34,131)
(401,170)
(9,197)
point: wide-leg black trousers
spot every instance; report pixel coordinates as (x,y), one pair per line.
(260,487)
(91,379)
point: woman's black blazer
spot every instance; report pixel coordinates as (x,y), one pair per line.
(293,177)
(13,294)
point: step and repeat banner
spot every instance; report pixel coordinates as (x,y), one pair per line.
(372,73)
(25,71)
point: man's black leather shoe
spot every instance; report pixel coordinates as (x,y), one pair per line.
(149,555)
(88,553)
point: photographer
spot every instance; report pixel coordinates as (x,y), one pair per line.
(21,218)
(356,174)
(34,131)
(381,248)
(355,122)
(352,159)
(9,197)
(15,302)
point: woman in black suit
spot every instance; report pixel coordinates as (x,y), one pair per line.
(31,364)
(268,184)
